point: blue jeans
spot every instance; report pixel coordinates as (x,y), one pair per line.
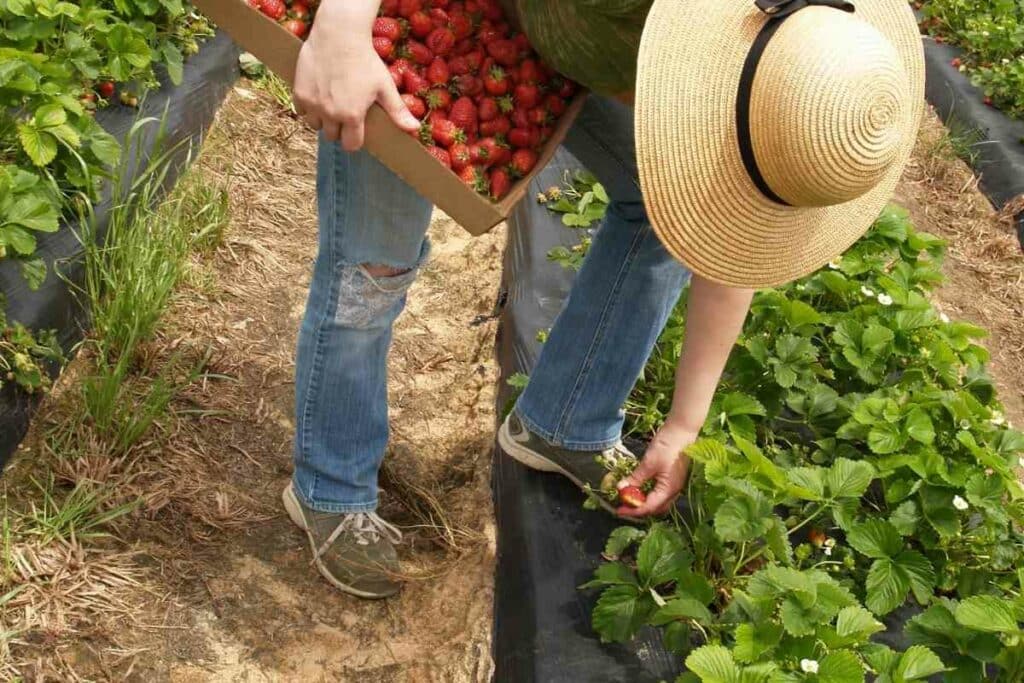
(619,303)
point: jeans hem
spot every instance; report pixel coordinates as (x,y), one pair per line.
(568,444)
(334,508)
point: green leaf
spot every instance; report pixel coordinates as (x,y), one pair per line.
(919,426)
(988,614)
(754,641)
(33,269)
(797,619)
(905,518)
(777,539)
(810,479)
(849,478)
(611,574)
(743,518)
(620,612)
(886,586)
(174,62)
(741,404)
(885,437)
(841,666)
(714,664)
(917,663)
(105,147)
(875,538)
(855,624)
(662,555)
(40,146)
(919,573)
(50,116)
(876,338)
(620,539)
(937,505)
(681,608)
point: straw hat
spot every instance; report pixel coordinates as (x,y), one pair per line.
(771,133)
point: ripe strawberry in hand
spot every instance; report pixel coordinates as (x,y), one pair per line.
(384,48)
(415,105)
(385,27)
(523,161)
(500,182)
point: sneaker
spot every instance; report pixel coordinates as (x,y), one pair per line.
(589,470)
(355,551)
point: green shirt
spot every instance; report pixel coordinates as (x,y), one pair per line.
(593,42)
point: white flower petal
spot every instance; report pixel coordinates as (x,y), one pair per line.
(885,299)
(944,318)
(834,265)
(809,666)
(866,292)
(828,551)
(959,503)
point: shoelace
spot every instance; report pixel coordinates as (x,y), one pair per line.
(366,527)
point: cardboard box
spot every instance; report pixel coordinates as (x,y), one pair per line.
(279,50)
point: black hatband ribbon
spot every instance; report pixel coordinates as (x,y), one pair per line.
(777,11)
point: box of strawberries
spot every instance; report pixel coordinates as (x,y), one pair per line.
(492,112)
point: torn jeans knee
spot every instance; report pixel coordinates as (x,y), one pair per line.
(372,295)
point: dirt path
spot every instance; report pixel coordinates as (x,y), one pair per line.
(210,581)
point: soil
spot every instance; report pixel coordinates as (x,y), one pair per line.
(221,587)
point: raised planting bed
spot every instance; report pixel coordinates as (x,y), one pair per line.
(190,108)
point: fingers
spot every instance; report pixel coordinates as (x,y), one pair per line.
(352,134)
(332,131)
(392,103)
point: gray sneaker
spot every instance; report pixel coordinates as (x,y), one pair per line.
(354,551)
(595,472)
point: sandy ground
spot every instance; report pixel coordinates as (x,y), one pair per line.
(219,586)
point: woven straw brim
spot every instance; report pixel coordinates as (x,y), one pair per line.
(699,198)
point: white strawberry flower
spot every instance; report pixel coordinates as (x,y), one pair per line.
(959,503)
(885,299)
(834,265)
(1020,461)
(867,292)
(828,551)
(997,418)
(809,666)
(944,318)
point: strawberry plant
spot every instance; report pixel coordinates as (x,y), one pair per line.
(992,33)
(58,62)
(855,468)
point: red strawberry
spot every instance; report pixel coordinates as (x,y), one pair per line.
(384,47)
(439,98)
(441,155)
(632,496)
(523,161)
(458,66)
(522,43)
(275,9)
(539,116)
(441,41)
(443,4)
(446,133)
(501,155)
(436,115)
(555,105)
(545,133)
(462,47)
(402,65)
(487,109)
(407,8)
(105,89)
(520,118)
(475,58)
(420,25)
(384,27)
(414,83)
(496,81)
(487,34)
(419,52)
(439,17)
(490,150)
(415,105)
(491,9)
(955,63)
(471,86)
(526,95)
(461,24)
(987,101)
(497,126)
(519,137)
(460,156)
(255,4)
(389,8)
(477,154)
(503,51)
(529,71)
(501,183)
(298,28)
(437,72)
(463,114)
(564,87)
(474,178)
(300,10)
(396,75)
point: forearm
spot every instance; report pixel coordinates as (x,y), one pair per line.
(715,315)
